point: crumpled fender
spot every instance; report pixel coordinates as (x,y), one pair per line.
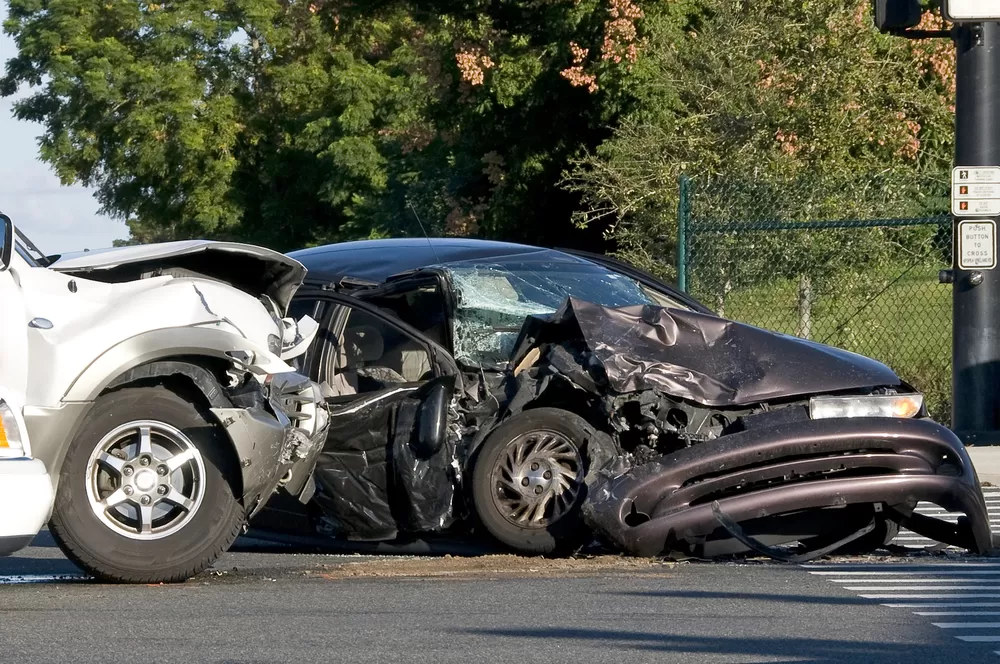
(212,341)
(667,505)
(271,449)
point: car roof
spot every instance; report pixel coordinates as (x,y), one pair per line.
(377,260)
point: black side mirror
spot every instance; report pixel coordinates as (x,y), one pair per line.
(432,418)
(897,15)
(6,241)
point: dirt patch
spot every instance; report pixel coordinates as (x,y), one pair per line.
(493,566)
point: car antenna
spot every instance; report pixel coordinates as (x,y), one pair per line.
(424,231)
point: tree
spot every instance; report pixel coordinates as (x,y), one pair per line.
(292,122)
(773,94)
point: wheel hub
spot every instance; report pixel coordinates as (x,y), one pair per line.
(537,478)
(145,480)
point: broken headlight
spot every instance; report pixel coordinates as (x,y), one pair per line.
(881,405)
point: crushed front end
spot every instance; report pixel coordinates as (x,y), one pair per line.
(823,483)
(728,438)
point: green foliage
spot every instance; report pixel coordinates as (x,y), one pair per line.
(293,122)
(792,99)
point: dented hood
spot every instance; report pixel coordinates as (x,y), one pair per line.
(252,269)
(702,358)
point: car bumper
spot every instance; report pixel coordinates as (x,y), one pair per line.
(26,499)
(791,482)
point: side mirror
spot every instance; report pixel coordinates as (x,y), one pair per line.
(6,241)
(897,15)
(432,417)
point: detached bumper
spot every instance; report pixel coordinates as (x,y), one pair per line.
(26,494)
(787,483)
(277,439)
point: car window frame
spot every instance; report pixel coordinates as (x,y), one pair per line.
(439,357)
(409,281)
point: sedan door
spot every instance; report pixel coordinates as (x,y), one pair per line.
(387,465)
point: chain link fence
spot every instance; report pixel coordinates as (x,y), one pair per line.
(823,261)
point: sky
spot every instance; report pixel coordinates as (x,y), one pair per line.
(56,218)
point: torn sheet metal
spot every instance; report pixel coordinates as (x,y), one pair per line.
(352,472)
(372,481)
(702,358)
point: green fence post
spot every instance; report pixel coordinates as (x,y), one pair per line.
(683,215)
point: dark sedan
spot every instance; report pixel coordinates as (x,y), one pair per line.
(546,395)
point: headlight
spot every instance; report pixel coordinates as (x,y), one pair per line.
(10,435)
(883,405)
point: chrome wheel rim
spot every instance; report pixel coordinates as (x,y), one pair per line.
(145,480)
(537,479)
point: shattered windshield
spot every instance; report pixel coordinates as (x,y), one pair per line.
(493,299)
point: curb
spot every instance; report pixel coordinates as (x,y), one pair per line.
(986,460)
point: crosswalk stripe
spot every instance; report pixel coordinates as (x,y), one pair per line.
(944,605)
(956,613)
(949,572)
(898,566)
(937,588)
(929,596)
(957,579)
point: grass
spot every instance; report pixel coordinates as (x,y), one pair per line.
(904,322)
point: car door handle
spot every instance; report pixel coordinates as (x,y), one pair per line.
(41,324)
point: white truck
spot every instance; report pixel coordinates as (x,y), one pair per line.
(156,391)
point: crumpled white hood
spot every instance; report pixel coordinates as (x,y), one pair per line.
(253,269)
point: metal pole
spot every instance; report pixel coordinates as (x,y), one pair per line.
(683,212)
(976,294)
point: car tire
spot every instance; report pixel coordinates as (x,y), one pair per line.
(509,481)
(147,489)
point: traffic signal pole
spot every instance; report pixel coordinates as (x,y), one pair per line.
(976,287)
(975,204)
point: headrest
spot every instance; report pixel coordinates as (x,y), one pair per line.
(363,343)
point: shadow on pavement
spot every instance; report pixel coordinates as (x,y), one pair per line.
(797,650)
(712,594)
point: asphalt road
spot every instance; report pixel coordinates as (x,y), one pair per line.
(256,606)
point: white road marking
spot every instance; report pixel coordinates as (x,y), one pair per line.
(933,596)
(40,578)
(953,613)
(936,589)
(922,588)
(950,572)
(926,579)
(908,567)
(944,605)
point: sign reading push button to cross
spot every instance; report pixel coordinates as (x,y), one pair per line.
(977,244)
